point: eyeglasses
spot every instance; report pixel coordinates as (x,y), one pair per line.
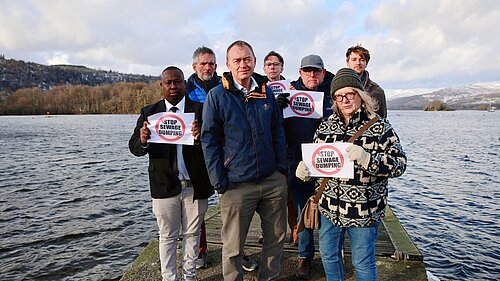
(311,71)
(275,64)
(348,96)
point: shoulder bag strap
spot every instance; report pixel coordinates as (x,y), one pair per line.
(364,128)
(351,140)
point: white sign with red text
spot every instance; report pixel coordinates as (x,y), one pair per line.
(306,104)
(328,160)
(169,127)
(279,87)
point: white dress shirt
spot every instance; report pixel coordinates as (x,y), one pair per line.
(183,174)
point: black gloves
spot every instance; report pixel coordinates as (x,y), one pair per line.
(282,100)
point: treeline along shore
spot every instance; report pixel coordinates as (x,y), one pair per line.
(116,98)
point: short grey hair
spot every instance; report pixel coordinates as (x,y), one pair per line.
(241,44)
(201,51)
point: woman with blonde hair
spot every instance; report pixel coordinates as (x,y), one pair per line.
(356,205)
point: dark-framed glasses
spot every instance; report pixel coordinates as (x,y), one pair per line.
(311,70)
(348,96)
(275,64)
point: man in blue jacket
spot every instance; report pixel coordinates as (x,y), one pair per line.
(198,85)
(204,77)
(244,146)
(298,130)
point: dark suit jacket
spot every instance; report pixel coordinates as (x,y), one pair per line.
(163,178)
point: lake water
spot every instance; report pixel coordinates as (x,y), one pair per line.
(75,203)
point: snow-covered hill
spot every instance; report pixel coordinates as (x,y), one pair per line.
(471,96)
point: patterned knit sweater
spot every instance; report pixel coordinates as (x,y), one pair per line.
(361,201)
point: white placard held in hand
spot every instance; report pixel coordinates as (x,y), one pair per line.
(328,160)
(305,104)
(169,127)
(279,87)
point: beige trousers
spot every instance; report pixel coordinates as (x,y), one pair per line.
(172,214)
(268,199)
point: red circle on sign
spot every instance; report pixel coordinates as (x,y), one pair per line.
(170,116)
(329,147)
(294,97)
(277,83)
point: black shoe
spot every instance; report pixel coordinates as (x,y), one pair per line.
(249,263)
(303,268)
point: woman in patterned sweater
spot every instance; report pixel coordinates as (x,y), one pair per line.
(355,205)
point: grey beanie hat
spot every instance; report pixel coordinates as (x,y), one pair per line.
(345,77)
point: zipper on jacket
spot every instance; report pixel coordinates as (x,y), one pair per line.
(246,104)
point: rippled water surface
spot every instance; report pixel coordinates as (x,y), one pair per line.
(75,203)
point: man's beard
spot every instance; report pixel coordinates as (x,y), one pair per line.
(207,77)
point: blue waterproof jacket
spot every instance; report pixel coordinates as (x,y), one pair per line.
(242,136)
(300,130)
(195,91)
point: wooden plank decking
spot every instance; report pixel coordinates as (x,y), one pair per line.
(392,241)
(383,244)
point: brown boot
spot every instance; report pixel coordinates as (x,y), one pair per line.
(303,268)
(295,236)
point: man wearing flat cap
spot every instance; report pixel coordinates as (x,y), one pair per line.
(298,130)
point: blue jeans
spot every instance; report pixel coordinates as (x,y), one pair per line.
(306,237)
(362,240)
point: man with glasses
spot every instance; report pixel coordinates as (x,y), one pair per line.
(357,59)
(298,130)
(273,66)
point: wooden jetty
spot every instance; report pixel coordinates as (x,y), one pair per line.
(398,259)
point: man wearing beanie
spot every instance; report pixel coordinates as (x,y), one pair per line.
(357,58)
(313,77)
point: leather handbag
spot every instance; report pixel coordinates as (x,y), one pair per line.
(309,216)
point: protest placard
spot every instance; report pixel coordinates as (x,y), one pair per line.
(279,87)
(306,104)
(169,127)
(328,160)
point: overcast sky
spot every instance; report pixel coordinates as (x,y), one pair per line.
(413,43)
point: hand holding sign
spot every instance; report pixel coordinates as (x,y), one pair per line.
(306,104)
(168,127)
(358,154)
(144,132)
(282,100)
(279,87)
(328,160)
(195,130)
(302,172)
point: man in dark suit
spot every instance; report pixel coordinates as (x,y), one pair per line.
(178,178)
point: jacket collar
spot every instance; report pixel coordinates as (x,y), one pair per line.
(356,118)
(193,81)
(181,105)
(228,84)
(365,77)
